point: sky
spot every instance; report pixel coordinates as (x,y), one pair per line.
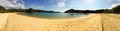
(60,5)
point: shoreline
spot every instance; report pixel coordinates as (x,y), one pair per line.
(92,22)
(53,17)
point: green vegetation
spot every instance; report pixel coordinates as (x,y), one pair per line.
(113,10)
(3,10)
(116,9)
(30,10)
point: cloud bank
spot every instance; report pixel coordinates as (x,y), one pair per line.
(60,3)
(114,3)
(36,7)
(12,3)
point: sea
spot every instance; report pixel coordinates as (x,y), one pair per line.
(54,15)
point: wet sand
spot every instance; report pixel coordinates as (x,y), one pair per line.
(92,22)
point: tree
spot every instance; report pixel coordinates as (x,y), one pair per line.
(116,9)
(29,10)
(70,11)
(2,9)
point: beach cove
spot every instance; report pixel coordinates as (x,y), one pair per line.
(92,22)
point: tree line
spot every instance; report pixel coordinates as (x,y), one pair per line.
(113,10)
(30,10)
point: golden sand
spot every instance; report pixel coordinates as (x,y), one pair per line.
(111,22)
(92,22)
(3,20)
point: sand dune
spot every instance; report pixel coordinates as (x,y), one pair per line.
(92,22)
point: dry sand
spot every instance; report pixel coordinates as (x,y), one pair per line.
(3,19)
(92,22)
(111,22)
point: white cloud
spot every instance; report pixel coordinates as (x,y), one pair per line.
(12,3)
(89,1)
(114,3)
(61,0)
(36,7)
(61,3)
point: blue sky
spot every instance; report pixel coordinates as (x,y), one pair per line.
(60,5)
(67,4)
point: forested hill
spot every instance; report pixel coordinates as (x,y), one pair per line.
(2,9)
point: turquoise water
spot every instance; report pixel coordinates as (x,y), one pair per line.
(55,15)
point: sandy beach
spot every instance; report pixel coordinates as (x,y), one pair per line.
(111,22)
(3,20)
(92,22)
